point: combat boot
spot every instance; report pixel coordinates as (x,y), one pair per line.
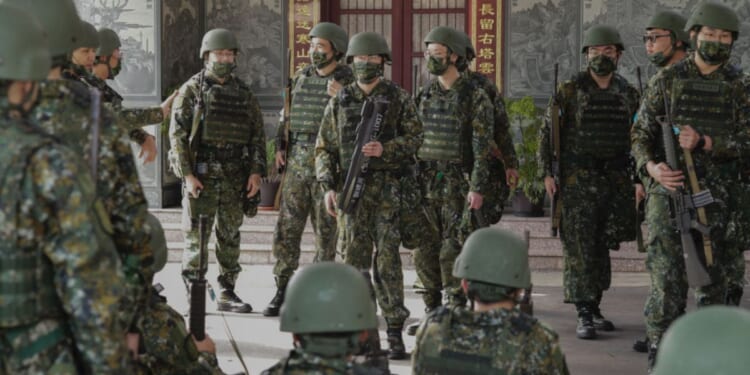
(600,322)
(585,328)
(431,302)
(275,305)
(396,347)
(641,345)
(652,350)
(229,301)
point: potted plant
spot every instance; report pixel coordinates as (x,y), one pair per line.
(270,184)
(525,121)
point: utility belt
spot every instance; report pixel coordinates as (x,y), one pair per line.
(302,138)
(592,163)
(441,165)
(221,155)
(48,333)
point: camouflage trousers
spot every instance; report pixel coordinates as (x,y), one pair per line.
(219,200)
(302,196)
(165,345)
(598,212)
(665,262)
(41,348)
(738,234)
(375,222)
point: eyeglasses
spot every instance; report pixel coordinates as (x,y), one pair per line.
(653,38)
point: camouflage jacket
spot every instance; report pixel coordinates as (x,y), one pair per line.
(502,142)
(181,124)
(507,341)
(64,110)
(478,116)
(300,362)
(398,152)
(567,96)
(47,206)
(720,163)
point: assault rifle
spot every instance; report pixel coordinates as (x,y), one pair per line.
(527,305)
(686,206)
(373,114)
(198,286)
(96,105)
(556,113)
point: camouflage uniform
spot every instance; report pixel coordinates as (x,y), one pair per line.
(64,110)
(60,274)
(498,341)
(446,180)
(301,194)
(221,164)
(375,220)
(598,207)
(717,172)
(300,362)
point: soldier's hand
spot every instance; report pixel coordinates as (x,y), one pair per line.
(333,87)
(665,176)
(280,161)
(132,339)
(550,186)
(148,149)
(194,185)
(511,178)
(475,200)
(373,149)
(166,106)
(330,200)
(253,185)
(206,345)
(688,137)
(640,194)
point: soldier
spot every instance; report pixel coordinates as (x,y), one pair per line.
(707,95)
(495,336)
(301,194)
(107,65)
(60,285)
(375,220)
(453,163)
(218,149)
(597,195)
(163,347)
(666,43)
(326,332)
(713,340)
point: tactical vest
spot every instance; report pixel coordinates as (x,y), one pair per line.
(705,105)
(350,115)
(602,124)
(309,99)
(27,292)
(227,120)
(443,124)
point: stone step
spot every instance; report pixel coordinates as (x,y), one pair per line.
(174,215)
(248,233)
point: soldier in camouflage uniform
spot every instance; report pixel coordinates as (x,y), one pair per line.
(494,337)
(375,220)
(453,163)
(596,192)
(59,275)
(707,95)
(326,331)
(64,110)
(218,149)
(163,346)
(666,43)
(301,194)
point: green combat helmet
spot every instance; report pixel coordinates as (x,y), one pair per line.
(332,33)
(600,35)
(368,43)
(448,37)
(88,37)
(497,260)
(711,340)
(671,21)
(217,39)
(24,52)
(718,16)
(158,243)
(108,42)
(58,18)
(328,297)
